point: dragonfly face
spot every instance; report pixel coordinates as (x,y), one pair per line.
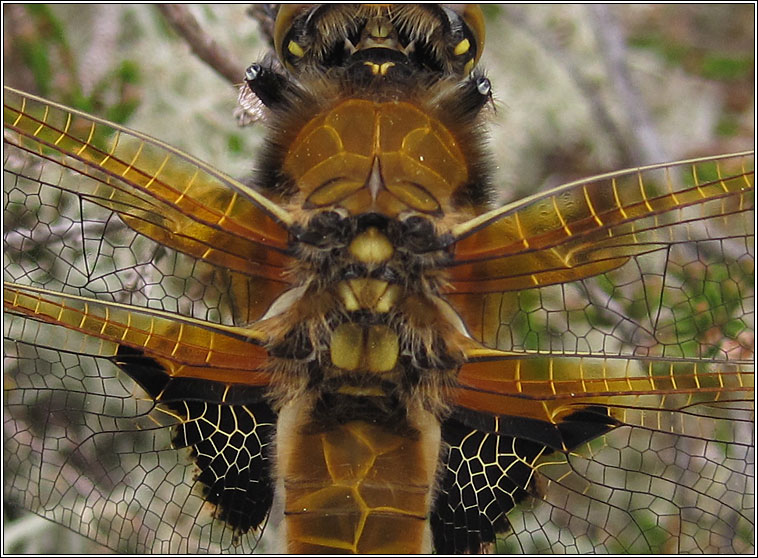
(414,357)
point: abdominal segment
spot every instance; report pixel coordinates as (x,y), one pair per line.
(356,486)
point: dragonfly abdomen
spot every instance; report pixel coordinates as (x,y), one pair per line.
(348,484)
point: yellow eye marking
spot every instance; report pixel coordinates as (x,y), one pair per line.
(379,69)
(462,47)
(295,49)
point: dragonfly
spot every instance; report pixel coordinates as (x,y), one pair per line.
(603,329)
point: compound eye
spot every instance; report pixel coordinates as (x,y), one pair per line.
(473,18)
(285,19)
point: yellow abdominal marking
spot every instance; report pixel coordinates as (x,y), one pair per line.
(368,294)
(371,246)
(373,348)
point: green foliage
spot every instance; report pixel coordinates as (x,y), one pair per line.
(726,68)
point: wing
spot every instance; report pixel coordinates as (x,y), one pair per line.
(618,307)
(132,275)
(120,177)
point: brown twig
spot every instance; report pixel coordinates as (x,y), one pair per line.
(204,47)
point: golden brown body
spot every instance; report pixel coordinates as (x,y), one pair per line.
(385,157)
(363,488)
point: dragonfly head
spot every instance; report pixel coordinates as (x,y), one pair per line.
(444,40)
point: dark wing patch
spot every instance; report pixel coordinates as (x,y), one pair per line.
(485,475)
(585,425)
(230,445)
(487,471)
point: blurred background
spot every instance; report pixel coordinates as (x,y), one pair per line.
(578,90)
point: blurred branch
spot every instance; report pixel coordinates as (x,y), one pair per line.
(204,47)
(590,91)
(99,53)
(23,532)
(643,141)
(265,15)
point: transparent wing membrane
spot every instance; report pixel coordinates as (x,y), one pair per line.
(642,490)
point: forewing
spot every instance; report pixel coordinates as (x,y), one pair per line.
(596,225)
(96,175)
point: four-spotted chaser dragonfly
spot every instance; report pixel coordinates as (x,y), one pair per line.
(583,353)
